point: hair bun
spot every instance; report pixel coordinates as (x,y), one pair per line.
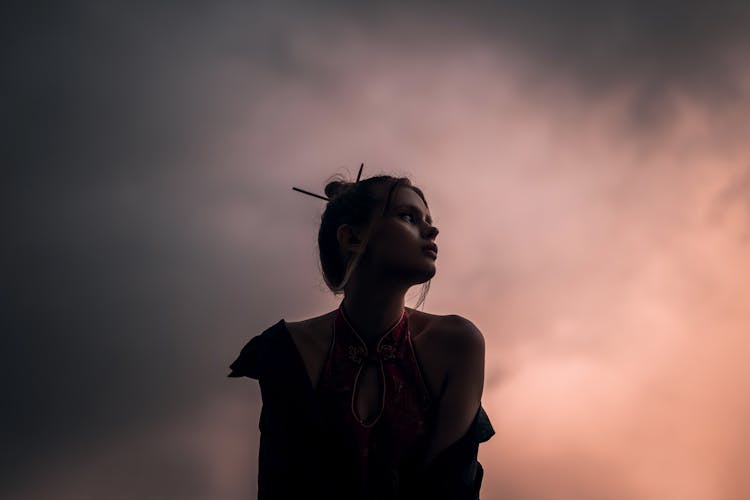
(335,189)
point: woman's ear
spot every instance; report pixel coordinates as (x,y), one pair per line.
(349,238)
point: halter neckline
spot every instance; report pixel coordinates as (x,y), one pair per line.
(389,332)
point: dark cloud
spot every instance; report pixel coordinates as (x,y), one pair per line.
(608,42)
(110,275)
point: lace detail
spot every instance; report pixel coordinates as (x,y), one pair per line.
(355,353)
(388,352)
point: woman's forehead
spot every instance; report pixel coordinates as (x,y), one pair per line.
(406,196)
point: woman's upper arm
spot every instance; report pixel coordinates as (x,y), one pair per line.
(463,344)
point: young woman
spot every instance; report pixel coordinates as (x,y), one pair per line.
(372,400)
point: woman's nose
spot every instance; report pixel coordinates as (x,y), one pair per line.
(432,232)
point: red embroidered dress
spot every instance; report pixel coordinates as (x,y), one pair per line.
(396,436)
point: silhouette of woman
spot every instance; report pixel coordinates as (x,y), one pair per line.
(373,400)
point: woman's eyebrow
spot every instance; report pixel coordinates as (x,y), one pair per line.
(416,208)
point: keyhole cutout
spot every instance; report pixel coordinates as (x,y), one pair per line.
(368,393)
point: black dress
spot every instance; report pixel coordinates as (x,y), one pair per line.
(301,455)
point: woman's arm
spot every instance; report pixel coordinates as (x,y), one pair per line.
(451,470)
(463,345)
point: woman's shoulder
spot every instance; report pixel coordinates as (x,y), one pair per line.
(311,330)
(449,332)
(442,321)
(444,344)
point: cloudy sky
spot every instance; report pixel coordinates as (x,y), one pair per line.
(588,164)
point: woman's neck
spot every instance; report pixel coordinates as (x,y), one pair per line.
(373,315)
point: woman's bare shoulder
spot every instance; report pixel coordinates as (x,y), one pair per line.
(307,324)
(446,344)
(452,330)
(312,334)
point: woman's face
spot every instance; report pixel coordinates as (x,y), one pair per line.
(397,246)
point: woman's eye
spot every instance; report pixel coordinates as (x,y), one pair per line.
(406,214)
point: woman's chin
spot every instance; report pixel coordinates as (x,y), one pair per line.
(415,272)
(428,273)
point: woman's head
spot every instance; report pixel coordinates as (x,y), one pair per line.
(381,223)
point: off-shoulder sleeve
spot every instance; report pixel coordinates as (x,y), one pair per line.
(456,474)
(253,356)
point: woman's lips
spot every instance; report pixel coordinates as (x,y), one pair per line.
(430,252)
(431,246)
